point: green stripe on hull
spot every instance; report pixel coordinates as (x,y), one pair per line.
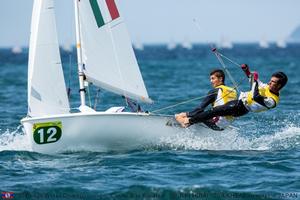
(97,13)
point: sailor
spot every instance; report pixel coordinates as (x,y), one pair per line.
(219,95)
(262,97)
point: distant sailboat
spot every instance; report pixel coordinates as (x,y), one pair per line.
(186,44)
(17,50)
(67,48)
(281,43)
(225,43)
(105,58)
(138,46)
(171,45)
(263,43)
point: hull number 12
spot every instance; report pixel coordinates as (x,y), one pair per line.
(48,132)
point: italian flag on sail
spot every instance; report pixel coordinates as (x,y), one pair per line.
(104,11)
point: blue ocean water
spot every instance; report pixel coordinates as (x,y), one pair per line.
(259,159)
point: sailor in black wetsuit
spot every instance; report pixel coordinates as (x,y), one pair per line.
(262,97)
(220,95)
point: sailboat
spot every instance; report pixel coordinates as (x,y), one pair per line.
(16,50)
(225,43)
(171,45)
(281,43)
(106,59)
(263,43)
(138,45)
(186,44)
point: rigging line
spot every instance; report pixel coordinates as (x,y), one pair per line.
(233,62)
(70,75)
(197,98)
(225,68)
(199,29)
(250,79)
(96,98)
(218,55)
(235,88)
(180,103)
(89,94)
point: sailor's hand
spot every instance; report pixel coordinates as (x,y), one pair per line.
(186,122)
(245,68)
(255,75)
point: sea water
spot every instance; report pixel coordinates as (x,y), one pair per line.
(257,159)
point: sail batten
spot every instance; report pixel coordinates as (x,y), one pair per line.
(108,56)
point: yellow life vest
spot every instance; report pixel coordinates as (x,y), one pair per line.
(265,92)
(227,94)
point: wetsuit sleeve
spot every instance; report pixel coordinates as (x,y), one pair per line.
(210,98)
(265,101)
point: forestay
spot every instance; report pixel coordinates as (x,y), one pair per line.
(109,60)
(46,86)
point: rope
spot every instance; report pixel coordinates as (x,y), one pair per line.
(89,95)
(69,78)
(96,98)
(225,68)
(250,79)
(180,103)
(235,63)
(236,85)
(197,98)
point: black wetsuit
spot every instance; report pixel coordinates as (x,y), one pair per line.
(209,99)
(235,108)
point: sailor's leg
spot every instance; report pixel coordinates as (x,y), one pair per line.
(224,110)
(212,125)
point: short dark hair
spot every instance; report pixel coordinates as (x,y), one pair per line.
(218,73)
(282,78)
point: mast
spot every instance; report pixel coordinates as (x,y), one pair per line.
(79,54)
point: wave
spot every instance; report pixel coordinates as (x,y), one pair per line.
(286,138)
(15,140)
(150,192)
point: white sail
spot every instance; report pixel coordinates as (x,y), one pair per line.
(108,57)
(46,86)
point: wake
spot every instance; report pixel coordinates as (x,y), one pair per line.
(15,140)
(285,138)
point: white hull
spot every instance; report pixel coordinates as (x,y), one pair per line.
(98,131)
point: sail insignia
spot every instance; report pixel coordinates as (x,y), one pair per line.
(98,14)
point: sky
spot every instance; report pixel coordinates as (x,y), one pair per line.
(163,21)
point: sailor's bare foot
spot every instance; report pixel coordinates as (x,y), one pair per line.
(182,119)
(186,122)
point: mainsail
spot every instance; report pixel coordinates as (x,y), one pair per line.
(46,86)
(107,53)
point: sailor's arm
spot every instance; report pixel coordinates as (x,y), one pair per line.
(210,98)
(265,101)
(246,69)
